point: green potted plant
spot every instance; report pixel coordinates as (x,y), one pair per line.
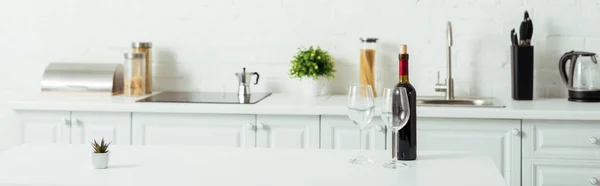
(100,154)
(314,67)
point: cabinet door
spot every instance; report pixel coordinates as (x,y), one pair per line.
(549,172)
(45,127)
(277,131)
(194,129)
(498,139)
(561,139)
(112,126)
(338,132)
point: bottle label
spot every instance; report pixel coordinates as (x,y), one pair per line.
(403,68)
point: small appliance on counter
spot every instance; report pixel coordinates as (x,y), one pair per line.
(583,76)
(83,79)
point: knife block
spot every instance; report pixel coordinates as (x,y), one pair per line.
(522,72)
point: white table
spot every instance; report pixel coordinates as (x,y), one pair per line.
(68,165)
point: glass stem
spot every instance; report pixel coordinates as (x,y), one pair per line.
(360,135)
(395,145)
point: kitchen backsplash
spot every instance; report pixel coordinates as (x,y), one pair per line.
(200,44)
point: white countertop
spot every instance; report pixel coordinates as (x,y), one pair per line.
(68,165)
(281,104)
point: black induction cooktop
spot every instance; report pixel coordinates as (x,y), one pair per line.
(206,97)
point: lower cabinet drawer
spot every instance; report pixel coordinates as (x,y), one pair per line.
(560,173)
(561,139)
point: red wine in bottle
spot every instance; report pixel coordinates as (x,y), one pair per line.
(407,136)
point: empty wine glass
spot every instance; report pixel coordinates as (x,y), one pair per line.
(360,110)
(395,112)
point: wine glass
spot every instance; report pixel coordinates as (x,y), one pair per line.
(395,112)
(360,110)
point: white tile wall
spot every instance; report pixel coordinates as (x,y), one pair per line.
(199,44)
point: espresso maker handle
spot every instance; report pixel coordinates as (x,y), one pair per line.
(257,76)
(562,65)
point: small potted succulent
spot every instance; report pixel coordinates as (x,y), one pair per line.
(100,155)
(314,67)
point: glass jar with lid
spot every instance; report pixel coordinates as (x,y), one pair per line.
(146,49)
(134,74)
(369,70)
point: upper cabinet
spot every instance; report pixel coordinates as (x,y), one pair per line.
(498,139)
(45,127)
(112,126)
(339,132)
(193,129)
(281,131)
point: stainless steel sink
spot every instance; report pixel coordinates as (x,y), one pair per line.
(458,102)
(448,87)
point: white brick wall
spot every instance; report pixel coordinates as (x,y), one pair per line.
(199,44)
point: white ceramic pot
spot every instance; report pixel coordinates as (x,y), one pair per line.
(100,160)
(312,88)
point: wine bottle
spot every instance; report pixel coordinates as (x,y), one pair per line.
(407,136)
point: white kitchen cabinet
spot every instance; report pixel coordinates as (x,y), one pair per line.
(339,132)
(548,172)
(193,129)
(283,131)
(45,127)
(112,126)
(561,153)
(561,139)
(498,139)
(64,127)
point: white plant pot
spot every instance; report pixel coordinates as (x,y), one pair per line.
(312,88)
(100,160)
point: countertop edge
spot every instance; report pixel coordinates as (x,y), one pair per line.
(423,112)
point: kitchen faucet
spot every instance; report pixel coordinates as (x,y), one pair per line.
(448,86)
